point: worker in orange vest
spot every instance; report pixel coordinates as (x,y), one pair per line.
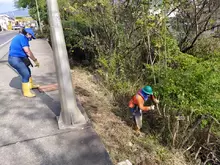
(136,105)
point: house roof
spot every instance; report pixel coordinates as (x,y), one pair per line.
(4,15)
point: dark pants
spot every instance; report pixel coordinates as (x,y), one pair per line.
(137,116)
(23,70)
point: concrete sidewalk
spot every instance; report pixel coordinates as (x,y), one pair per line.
(29,133)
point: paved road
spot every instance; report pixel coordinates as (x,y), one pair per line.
(6,36)
(4,51)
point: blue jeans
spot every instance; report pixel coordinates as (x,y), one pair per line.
(23,70)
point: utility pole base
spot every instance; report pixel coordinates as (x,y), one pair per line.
(63,126)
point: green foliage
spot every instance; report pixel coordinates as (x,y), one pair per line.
(135,48)
(18,17)
(207,48)
(192,19)
(193,84)
(131,47)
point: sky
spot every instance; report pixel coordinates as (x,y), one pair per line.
(6,5)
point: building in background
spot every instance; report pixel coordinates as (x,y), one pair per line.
(4,19)
(14,20)
(6,22)
(25,22)
(11,22)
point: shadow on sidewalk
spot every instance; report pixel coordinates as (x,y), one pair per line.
(51,78)
(51,103)
(50,99)
(15,82)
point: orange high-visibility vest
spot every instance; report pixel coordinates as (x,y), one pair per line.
(134,102)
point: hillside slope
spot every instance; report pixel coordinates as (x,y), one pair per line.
(120,140)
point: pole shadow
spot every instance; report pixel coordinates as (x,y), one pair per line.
(52,104)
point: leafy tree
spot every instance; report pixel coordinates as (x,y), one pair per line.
(192,19)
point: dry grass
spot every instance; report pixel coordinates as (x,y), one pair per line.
(117,135)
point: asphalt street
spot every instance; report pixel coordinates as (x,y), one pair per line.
(6,36)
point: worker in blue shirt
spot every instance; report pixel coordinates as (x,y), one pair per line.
(19,54)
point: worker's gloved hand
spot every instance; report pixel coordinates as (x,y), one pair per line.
(152,107)
(156,101)
(37,64)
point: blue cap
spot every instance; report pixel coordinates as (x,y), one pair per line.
(31,32)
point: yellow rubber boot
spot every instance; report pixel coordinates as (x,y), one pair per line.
(32,85)
(26,90)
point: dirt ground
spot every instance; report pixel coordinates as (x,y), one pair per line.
(117,134)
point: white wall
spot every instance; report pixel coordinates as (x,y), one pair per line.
(4,21)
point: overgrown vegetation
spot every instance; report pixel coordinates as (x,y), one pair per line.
(133,43)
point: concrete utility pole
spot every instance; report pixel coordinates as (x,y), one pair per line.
(70,113)
(38,16)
